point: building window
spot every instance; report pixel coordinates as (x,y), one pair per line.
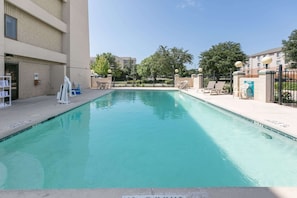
(278,62)
(258,58)
(258,64)
(10,27)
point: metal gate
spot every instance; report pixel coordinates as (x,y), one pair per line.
(285,87)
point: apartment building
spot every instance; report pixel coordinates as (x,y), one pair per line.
(122,61)
(41,41)
(254,64)
(125,61)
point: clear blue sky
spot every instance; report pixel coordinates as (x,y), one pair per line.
(136,28)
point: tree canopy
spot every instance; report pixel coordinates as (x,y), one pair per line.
(173,58)
(101,65)
(164,62)
(130,69)
(290,49)
(220,59)
(149,67)
(104,62)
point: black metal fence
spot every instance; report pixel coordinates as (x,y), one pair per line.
(285,87)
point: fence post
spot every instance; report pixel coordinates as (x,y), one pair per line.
(280,84)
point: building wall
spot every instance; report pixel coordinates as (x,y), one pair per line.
(254,64)
(54,7)
(52,40)
(78,62)
(33,31)
(125,61)
(28,67)
(1,37)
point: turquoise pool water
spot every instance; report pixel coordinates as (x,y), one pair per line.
(135,139)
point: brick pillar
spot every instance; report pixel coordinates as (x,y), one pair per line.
(236,82)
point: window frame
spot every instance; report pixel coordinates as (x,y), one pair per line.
(5,27)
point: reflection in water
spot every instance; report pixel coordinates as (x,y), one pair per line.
(106,102)
(164,104)
(111,99)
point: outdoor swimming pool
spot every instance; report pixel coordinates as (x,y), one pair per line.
(137,139)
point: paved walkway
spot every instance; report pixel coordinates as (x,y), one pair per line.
(279,117)
(28,112)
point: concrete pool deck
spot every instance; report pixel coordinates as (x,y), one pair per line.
(27,112)
(279,117)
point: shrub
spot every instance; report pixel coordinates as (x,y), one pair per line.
(169,81)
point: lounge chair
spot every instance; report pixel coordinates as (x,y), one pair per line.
(103,85)
(100,85)
(210,86)
(219,88)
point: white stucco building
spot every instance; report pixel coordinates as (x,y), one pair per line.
(254,64)
(125,61)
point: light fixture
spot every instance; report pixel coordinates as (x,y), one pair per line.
(238,64)
(266,60)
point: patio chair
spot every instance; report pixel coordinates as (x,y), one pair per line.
(99,85)
(76,90)
(210,86)
(219,88)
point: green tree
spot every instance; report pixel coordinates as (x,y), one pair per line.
(114,66)
(143,69)
(110,59)
(173,58)
(190,72)
(290,49)
(130,69)
(149,67)
(219,59)
(101,65)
